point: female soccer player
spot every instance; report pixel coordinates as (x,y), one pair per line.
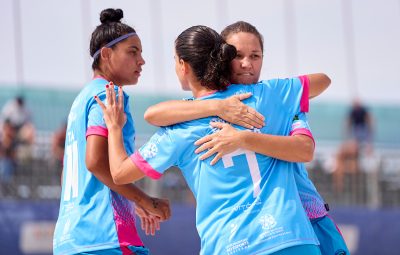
(243,205)
(96,215)
(297,147)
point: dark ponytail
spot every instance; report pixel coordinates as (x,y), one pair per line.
(208,55)
(110,28)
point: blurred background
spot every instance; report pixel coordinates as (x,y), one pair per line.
(45,54)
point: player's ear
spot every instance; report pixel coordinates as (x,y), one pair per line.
(185,67)
(105,53)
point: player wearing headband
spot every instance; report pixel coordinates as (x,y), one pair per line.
(96,216)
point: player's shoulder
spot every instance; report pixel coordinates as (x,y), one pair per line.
(235,89)
(166,134)
(276,81)
(180,132)
(97,85)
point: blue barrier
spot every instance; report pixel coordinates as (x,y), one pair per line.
(375,231)
(14,214)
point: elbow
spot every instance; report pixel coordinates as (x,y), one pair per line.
(92,164)
(150,116)
(307,157)
(116,177)
(326,80)
(118,181)
(308,153)
(121,176)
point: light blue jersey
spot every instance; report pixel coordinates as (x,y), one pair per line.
(92,217)
(312,201)
(328,234)
(247,203)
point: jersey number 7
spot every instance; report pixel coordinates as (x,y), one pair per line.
(253,166)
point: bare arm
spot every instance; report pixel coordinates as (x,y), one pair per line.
(176,111)
(230,109)
(97,163)
(122,169)
(297,148)
(319,82)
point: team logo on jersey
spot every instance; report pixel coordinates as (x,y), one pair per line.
(150,150)
(340,252)
(238,246)
(267,222)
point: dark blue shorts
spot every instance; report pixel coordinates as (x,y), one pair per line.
(329,236)
(307,249)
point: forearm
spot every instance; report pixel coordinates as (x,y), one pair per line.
(97,162)
(297,148)
(172,112)
(129,191)
(319,82)
(122,169)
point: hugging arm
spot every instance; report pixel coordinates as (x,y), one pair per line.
(230,109)
(296,148)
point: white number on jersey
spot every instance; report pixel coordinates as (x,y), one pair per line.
(253,166)
(71,173)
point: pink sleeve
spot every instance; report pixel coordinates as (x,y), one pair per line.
(302,131)
(145,167)
(304,102)
(97,130)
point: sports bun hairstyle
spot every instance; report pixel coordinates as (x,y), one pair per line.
(110,28)
(111,15)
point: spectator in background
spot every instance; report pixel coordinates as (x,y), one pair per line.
(15,111)
(359,126)
(7,154)
(359,132)
(19,117)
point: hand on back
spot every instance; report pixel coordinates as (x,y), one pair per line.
(236,112)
